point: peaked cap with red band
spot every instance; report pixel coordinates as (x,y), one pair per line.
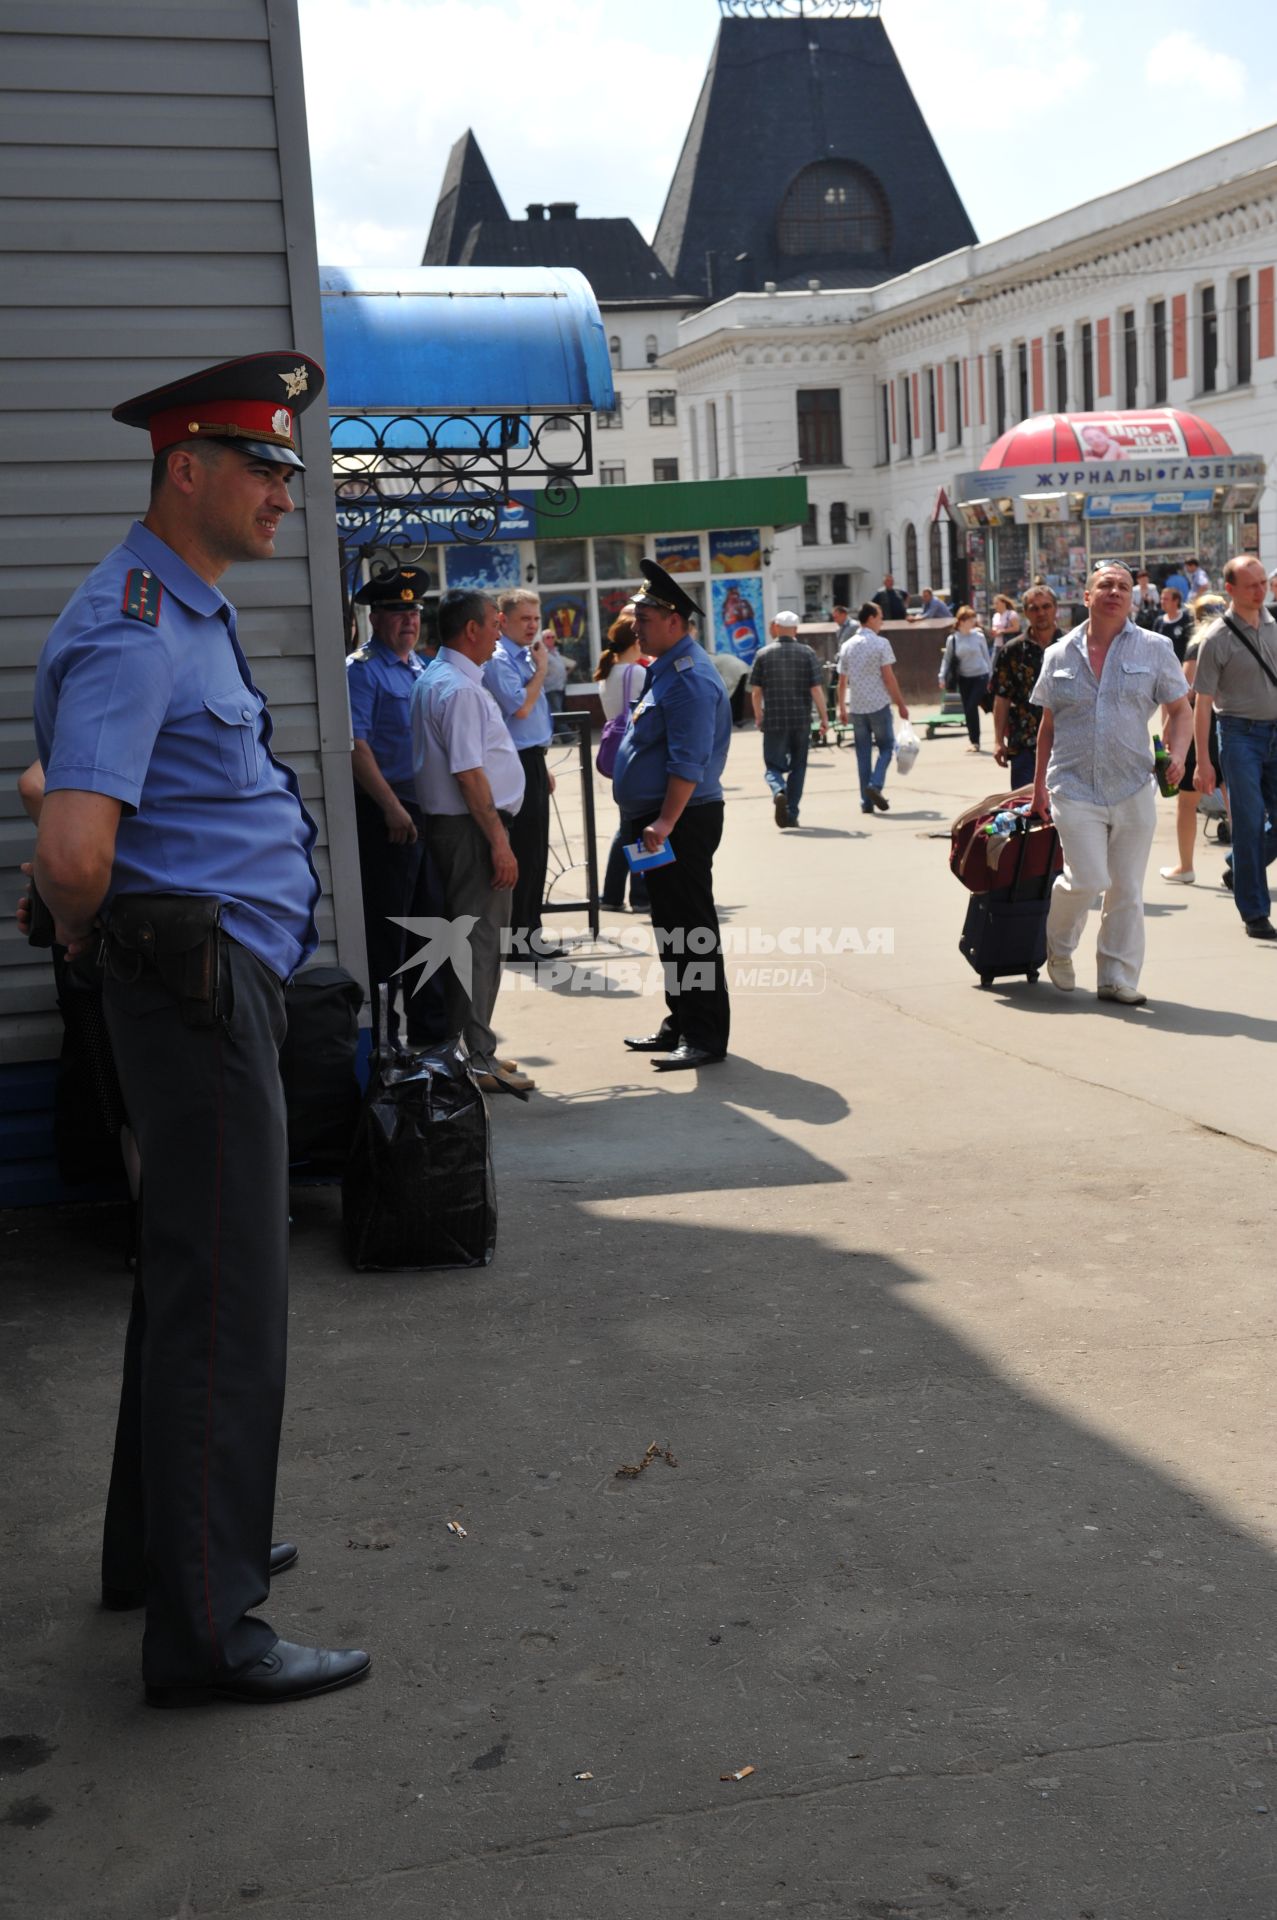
(250,403)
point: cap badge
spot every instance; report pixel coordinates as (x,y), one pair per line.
(406,593)
(281,421)
(295,382)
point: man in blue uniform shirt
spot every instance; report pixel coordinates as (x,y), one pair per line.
(394,868)
(168,822)
(515,677)
(668,782)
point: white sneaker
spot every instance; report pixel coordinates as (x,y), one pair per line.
(1127,996)
(1178,876)
(1059,970)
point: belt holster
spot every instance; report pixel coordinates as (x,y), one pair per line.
(175,938)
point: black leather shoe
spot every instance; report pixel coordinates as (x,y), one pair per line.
(287,1672)
(879,799)
(662,1041)
(125,1599)
(1226,878)
(1261,929)
(684,1056)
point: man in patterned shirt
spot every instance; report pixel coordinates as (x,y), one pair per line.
(1015,674)
(867,687)
(785,679)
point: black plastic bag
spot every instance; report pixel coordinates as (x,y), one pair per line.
(418,1190)
(317,1066)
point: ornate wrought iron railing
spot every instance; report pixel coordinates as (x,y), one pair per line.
(799,9)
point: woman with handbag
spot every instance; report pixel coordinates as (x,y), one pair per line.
(964,670)
(621,674)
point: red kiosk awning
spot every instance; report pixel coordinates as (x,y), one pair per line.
(1065,439)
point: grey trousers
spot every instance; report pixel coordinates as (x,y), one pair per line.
(463,861)
(192,1492)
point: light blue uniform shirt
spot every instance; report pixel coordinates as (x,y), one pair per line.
(1102,751)
(166,719)
(682,726)
(380,686)
(506,677)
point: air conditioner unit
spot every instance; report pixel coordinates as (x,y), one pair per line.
(864,520)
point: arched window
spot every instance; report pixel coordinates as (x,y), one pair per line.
(936,561)
(911,557)
(651,350)
(614,349)
(834,208)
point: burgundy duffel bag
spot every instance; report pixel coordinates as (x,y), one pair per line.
(970,847)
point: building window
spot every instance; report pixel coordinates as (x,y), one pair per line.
(665,469)
(999,393)
(711,439)
(931,410)
(811,528)
(955,431)
(884,426)
(661,408)
(1210,341)
(935,556)
(1060,356)
(1088,367)
(833,208)
(911,557)
(611,418)
(819,427)
(651,352)
(1130,359)
(1157,318)
(1022,377)
(614,349)
(611,473)
(1241,343)
(837,523)
(694,424)
(906,388)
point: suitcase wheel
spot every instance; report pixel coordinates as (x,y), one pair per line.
(986,979)
(1034,976)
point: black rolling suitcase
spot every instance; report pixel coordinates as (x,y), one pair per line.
(1005,930)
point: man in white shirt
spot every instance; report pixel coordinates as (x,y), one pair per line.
(470,785)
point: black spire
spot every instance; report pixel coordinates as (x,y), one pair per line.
(468,195)
(807,158)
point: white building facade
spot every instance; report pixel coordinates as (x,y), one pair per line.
(1159,295)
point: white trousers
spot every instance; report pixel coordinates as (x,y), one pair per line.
(1106,851)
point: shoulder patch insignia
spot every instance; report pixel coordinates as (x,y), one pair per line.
(685,665)
(143,597)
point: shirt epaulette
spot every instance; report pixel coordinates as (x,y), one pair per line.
(360,653)
(143,596)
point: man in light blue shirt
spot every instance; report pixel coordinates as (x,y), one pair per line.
(515,677)
(167,819)
(1099,688)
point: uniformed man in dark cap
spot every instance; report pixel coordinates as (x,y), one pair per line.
(668,781)
(169,825)
(393,862)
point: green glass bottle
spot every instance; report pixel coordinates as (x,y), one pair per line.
(1161,761)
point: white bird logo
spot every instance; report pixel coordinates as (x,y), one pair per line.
(445,940)
(295,382)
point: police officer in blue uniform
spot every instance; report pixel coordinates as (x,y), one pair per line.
(515,677)
(668,782)
(394,867)
(170,833)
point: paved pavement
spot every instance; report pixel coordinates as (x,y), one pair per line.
(955,1309)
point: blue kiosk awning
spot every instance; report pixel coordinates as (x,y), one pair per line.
(463,340)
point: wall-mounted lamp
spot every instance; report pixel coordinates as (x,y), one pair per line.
(530,573)
(767,556)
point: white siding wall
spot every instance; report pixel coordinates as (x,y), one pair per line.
(157,216)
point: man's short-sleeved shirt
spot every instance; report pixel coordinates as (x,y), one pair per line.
(681,728)
(380,683)
(506,677)
(1102,751)
(1232,677)
(456,727)
(142,694)
(1015,674)
(786,671)
(860,663)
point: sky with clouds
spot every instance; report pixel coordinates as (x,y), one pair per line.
(1036,105)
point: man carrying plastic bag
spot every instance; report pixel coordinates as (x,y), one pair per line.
(867,690)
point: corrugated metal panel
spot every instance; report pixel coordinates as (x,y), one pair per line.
(167,223)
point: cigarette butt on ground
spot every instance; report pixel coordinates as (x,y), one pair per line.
(741,1773)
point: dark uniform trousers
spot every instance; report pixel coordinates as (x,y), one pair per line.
(530,845)
(685,921)
(192,1491)
(399,879)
